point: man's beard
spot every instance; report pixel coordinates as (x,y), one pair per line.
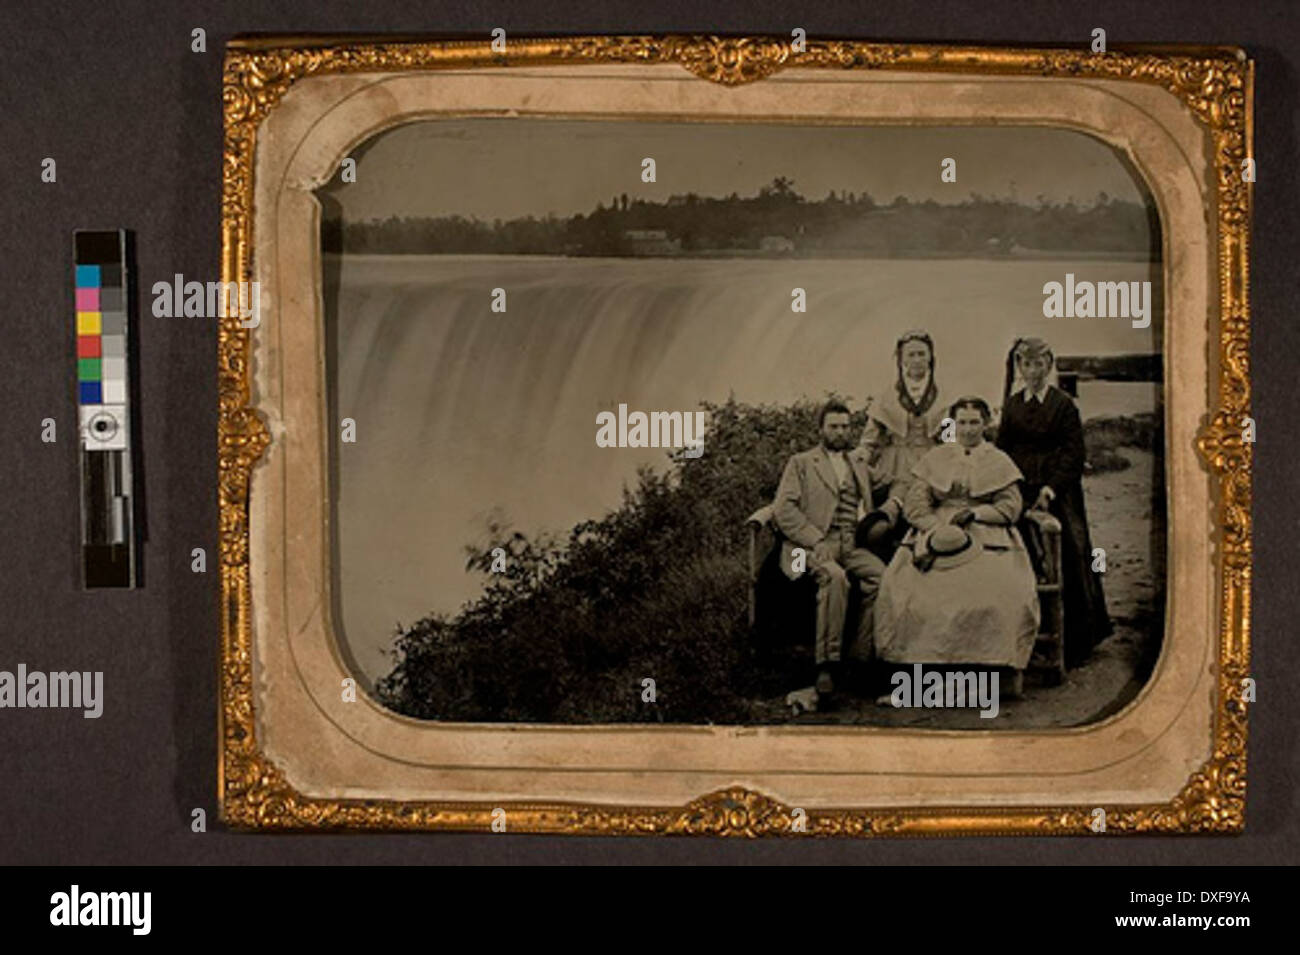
(836,444)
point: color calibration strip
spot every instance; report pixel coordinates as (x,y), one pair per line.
(107,531)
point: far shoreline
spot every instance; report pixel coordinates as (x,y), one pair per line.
(1036,255)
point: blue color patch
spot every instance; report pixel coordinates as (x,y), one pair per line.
(87,276)
(90,392)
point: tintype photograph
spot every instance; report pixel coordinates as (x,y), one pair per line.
(699,435)
(745,423)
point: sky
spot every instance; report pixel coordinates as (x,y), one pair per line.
(505,168)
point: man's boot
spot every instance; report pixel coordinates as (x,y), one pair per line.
(826,679)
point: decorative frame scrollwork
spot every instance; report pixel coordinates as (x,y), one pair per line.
(1217,87)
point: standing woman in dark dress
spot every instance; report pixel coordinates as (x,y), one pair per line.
(1042,433)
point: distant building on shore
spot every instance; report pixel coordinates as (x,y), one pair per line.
(775,243)
(651,242)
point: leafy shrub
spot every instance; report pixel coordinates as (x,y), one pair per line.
(657,588)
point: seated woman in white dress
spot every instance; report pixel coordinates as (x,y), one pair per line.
(961,588)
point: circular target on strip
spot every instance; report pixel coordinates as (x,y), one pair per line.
(102,426)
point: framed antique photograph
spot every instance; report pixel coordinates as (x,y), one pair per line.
(735,436)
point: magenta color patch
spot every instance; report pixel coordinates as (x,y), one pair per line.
(88,300)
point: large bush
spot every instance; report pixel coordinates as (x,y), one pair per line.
(656,589)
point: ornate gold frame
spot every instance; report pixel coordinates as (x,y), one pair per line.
(1216,85)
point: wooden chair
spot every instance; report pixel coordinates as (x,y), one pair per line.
(1042,533)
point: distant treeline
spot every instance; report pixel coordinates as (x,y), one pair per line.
(1114,367)
(776,221)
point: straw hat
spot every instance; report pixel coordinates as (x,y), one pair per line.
(951,546)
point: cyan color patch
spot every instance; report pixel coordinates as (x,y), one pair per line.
(87,276)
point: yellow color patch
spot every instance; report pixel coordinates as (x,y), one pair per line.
(88,323)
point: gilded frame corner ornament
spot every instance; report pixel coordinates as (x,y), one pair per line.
(1217,87)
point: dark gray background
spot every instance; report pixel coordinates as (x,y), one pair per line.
(133,118)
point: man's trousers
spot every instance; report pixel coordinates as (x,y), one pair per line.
(849,564)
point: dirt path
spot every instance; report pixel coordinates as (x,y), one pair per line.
(1120,514)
